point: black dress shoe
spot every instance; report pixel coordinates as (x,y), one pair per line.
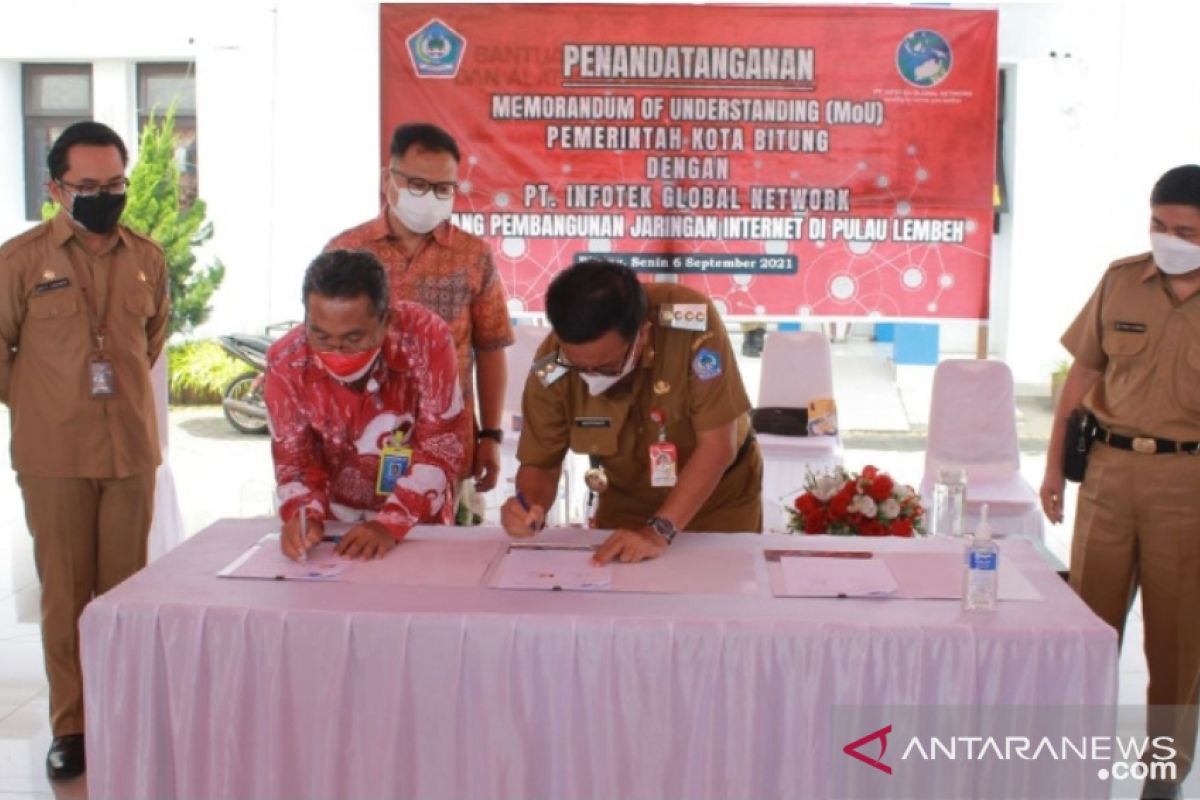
(65,759)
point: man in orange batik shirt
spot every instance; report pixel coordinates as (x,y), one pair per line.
(449,271)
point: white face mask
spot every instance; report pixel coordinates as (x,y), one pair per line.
(1173,255)
(599,384)
(421,214)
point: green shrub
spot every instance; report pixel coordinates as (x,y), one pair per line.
(198,372)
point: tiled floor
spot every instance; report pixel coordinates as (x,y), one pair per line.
(242,487)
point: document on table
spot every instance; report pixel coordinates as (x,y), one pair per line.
(836,574)
(263,560)
(552,567)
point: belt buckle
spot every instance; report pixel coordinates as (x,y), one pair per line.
(1144,444)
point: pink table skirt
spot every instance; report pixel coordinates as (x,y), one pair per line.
(199,687)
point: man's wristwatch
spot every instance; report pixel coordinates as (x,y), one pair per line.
(663,527)
(495,434)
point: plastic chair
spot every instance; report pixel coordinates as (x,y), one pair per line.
(796,368)
(973,425)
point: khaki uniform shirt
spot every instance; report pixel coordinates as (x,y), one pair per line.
(46,343)
(691,377)
(1147,344)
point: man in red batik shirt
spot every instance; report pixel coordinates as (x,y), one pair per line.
(365,411)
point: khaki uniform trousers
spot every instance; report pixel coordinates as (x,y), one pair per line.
(88,536)
(1138,526)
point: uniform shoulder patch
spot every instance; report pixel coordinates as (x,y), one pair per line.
(547,369)
(706,364)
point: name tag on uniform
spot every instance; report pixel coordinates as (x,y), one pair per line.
(684,316)
(593,422)
(1130,327)
(50,286)
(393,465)
(102,380)
(663,460)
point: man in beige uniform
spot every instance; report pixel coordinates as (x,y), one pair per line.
(1137,369)
(641,379)
(83,315)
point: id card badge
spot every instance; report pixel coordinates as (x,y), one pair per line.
(102,381)
(663,461)
(393,465)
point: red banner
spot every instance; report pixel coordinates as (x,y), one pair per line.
(787,161)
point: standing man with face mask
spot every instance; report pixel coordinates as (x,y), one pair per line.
(83,316)
(447,270)
(365,412)
(642,380)
(1137,370)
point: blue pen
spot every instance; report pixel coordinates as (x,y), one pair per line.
(525,505)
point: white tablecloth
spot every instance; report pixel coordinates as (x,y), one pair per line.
(201,687)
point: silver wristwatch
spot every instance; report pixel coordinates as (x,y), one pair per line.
(663,527)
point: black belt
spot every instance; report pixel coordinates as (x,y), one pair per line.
(1145,444)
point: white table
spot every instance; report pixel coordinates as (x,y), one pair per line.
(200,687)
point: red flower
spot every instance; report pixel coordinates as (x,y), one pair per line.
(870,472)
(807,503)
(902,526)
(816,523)
(881,488)
(839,504)
(871,527)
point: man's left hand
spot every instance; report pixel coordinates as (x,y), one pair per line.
(629,547)
(366,540)
(487,464)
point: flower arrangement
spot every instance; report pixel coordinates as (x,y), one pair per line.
(848,504)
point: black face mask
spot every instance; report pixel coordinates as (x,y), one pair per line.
(98,213)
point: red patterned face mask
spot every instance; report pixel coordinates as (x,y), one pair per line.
(348,367)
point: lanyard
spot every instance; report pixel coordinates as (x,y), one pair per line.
(99,326)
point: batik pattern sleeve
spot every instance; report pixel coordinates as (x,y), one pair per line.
(491,327)
(426,492)
(300,476)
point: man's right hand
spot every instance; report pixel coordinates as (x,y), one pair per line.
(290,541)
(519,522)
(1053,486)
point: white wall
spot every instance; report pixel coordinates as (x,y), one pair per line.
(288,111)
(1091,135)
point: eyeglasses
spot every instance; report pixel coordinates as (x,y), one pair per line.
(608,372)
(418,187)
(92,188)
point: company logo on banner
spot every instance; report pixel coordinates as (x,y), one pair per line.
(436,50)
(786,161)
(924,58)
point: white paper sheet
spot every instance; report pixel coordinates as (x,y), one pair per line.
(836,575)
(551,567)
(263,560)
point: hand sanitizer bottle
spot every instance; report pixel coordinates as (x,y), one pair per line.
(982,568)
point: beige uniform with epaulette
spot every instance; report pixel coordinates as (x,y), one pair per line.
(85,465)
(1138,520)
(691,377)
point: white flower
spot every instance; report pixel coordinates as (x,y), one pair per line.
(889,509)
(862,504)
(903,492)
(826,487)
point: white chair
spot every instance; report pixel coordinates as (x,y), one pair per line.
(166,529)
(527,339)
(973,425)
(796,368)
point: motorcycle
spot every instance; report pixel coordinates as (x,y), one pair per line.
(243,402)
